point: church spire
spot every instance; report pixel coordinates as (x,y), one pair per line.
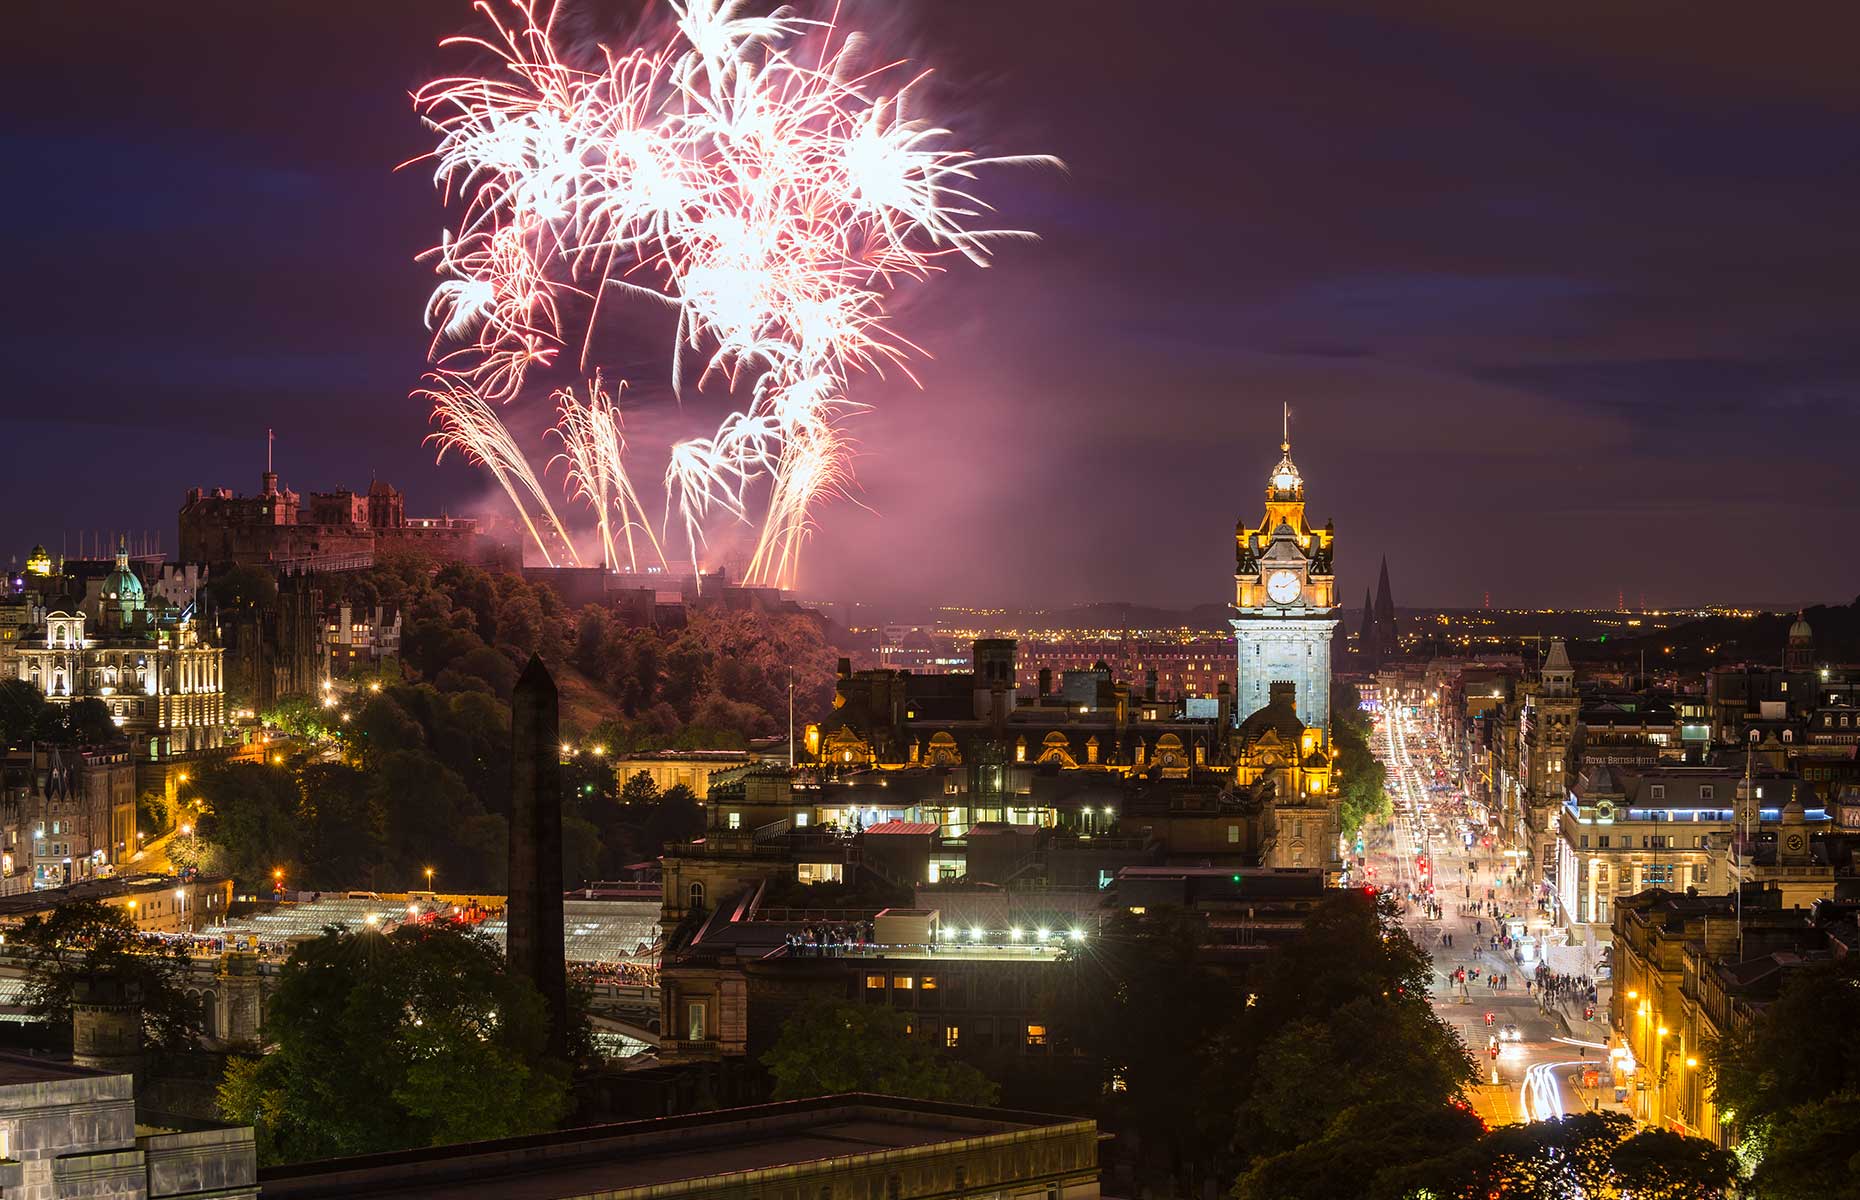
(1385,605)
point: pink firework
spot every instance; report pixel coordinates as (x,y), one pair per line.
(743,172)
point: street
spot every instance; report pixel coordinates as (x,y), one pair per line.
(1458,892)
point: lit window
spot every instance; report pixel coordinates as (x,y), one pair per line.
(1036,1035)
(929,983)
(736,820)
(901,983)
(952,1036)
(875,982)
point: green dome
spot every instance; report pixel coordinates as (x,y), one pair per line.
(121,585)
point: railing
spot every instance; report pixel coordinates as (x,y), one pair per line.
(773,830)
(787,915)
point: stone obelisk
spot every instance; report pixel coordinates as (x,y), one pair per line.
(534,912)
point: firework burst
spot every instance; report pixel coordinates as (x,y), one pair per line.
(744,172)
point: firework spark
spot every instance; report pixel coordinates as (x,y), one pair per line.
(467,423)
(744,172)
(594,454)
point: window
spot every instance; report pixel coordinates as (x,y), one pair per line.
(736,820)
(875,982)
(1584,841)
(1705,791)
(929,983)
(1233,835)
(1036,1035)
(694,1021)
(1659,791)
(695,894)
(952,1036)
(901,983)
(1603,839)
(800,820)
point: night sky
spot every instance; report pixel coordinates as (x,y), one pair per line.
(1563,296)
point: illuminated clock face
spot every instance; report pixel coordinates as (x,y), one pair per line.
(1795,841)
(1282,586)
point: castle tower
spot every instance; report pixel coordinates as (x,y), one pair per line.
(534,911)
(1284,598)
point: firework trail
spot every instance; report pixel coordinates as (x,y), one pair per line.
(744,172)
(467,423)
(594,454)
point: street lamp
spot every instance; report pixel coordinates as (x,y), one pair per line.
(429,879)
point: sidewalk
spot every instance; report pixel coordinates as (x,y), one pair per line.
(1565,959)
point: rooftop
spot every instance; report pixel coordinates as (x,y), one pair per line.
(695,1155)
(26,1068)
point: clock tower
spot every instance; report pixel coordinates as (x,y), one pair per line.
(1284,601)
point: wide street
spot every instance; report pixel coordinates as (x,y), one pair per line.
(1423,852)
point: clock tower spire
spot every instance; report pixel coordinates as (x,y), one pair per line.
(1284,598)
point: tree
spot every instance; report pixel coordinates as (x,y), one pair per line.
(639,789)
(393,1041)
(1658,1164)
(1364,778)
(1771,1079)
(844,1047)
(1377,1151)
(299,716)
(241,589)
(22,712)
(343,839)
(88,949)
(251,812)
(1147,1008)
(88,723)
(676,817)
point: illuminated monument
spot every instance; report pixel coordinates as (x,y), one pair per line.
(1284,596)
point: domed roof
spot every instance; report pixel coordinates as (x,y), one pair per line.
(1285,480)
(38,562)
(121,584)
(1801,630)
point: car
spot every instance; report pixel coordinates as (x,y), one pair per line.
(1510,1034)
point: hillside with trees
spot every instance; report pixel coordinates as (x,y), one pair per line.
(411,769)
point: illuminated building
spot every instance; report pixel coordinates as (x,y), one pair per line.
(1692,970)
(1285,593)
(361,639)
(1546,729)
(151,665)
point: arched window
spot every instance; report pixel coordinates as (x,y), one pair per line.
(1788,735)
(695,894)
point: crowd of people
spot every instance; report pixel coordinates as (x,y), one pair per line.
(1557,988)
(829,939)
